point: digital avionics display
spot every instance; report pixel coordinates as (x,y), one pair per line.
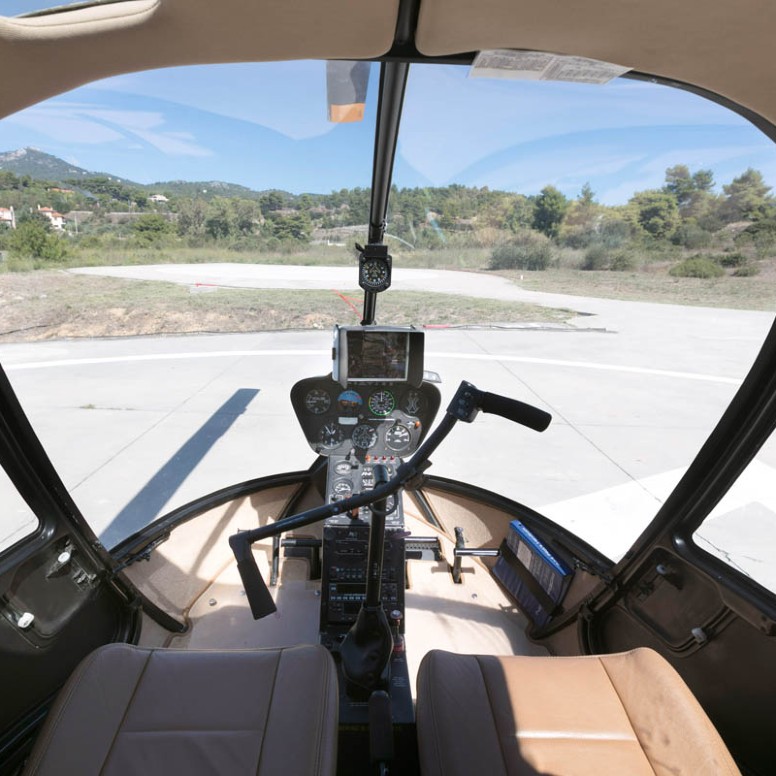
(372,354)
(377,355)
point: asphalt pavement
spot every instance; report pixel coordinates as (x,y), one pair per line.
(141,425)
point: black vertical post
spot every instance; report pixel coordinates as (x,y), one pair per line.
(393,82)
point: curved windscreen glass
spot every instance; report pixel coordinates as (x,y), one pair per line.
(635,224)
(177,245)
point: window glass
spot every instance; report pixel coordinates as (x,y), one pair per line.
(618,210)
(178,244)
(741,530)
(17,519)
(28,7)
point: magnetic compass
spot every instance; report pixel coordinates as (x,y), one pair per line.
(374,268)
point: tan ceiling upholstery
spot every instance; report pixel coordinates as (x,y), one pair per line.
(47,55)
(721,45)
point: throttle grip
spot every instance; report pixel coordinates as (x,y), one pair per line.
(514,410)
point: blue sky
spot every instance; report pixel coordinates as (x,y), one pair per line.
(264,126)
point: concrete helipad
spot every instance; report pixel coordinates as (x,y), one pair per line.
(139,426)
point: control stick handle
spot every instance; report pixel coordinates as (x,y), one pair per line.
(258,595)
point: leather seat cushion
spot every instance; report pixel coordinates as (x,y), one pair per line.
(128,710)
(608,715)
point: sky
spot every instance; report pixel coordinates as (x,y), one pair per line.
(264,126)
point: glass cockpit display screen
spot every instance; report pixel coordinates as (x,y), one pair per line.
(377,356)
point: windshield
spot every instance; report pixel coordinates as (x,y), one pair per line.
(604,252)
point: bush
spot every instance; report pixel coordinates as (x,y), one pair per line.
(622,262)
(696,267)
(747,271)
(735,259)
(526,250)
(596,258)
(691,236)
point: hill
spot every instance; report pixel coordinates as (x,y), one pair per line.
(39,165)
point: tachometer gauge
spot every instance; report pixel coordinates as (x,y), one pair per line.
(330,436)
(364,436)
(398,438)
(317,401)
(382,403)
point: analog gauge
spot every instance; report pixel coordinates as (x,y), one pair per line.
(350,402)
(374,274)
(342,488)
(413,403)
(342,467)
(398,438)
(382,403)
(330,436)
(364,436)
(317,401)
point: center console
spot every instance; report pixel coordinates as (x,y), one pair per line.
(373,409)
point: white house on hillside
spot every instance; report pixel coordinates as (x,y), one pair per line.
(57,220)
(7,217)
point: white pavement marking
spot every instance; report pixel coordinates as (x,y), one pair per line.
(295,353)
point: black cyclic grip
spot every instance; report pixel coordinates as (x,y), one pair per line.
(258,595)
(514,410)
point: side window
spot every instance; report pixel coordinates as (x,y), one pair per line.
(16,518)
(741,530)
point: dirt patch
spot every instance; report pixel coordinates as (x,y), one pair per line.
(43,305)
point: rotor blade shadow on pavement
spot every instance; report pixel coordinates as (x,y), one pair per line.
(150,500)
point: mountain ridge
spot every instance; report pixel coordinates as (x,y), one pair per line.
(43,166)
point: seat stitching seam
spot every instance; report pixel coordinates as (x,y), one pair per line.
(138,682)
(628,716)
(322,716)
(52,724)
(429,683)
(269,712)
(493,714)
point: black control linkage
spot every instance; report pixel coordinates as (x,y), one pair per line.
(466,404)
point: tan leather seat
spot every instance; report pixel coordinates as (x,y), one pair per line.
(128,710)
(628,714)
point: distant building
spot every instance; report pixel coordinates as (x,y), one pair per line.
(7,217)
(158,198)
(57,220)
(57,190)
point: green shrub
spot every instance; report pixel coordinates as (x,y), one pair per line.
(526,250)
(691,236)
(735,259)
(747,271)
(696,267)
(596,258)
(622,262)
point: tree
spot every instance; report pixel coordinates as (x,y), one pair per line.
(549,210)
(746,198)
(692,192)
(151,228)
(294,226)
(192,214)
(656,212)
(220,221)
(33,240)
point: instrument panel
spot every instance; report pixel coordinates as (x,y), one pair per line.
(379,419)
